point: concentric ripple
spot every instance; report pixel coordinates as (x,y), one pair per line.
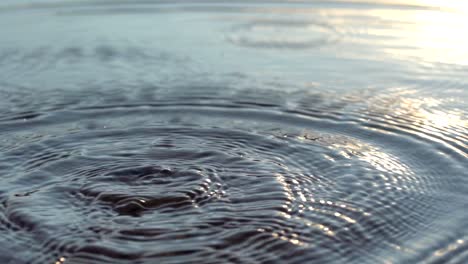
(201,177)
(283,33)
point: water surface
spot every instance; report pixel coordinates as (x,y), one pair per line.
(233,132)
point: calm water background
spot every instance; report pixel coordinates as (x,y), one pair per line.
(233,132)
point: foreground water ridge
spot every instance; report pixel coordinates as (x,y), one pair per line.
(302,132)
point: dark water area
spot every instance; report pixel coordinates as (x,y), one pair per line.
(233,132)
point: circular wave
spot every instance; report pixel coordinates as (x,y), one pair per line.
(283,33)
(197,176)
